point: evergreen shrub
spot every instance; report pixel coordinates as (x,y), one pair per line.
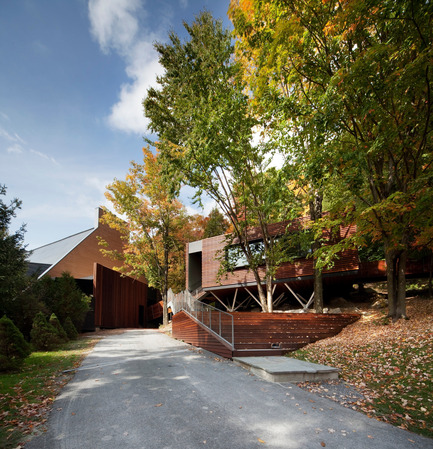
(70,329)
(54,321)
(13,347)
(43,335)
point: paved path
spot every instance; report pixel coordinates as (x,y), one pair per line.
(142,389)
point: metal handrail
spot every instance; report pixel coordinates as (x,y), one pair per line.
(216,321)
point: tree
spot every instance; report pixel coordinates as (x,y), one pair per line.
(356,78)
(200,113)
(13,264)
(152,225)
(44,336)
(61,334)
(63,298)
(216,224)
(13,347)
(70,329)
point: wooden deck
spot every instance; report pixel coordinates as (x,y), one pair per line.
(259,334)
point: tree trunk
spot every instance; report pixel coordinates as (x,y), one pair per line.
(269,298)
(316,214)
(165,289)
(164,309)
(262,296)
(401,286)
(430,286)
(396,282)
(318,291)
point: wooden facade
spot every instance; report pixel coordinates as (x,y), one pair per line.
(302,268)
(120,301)
(262,334)
(79,261)
(190,331)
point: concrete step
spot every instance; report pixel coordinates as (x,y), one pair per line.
(286,369)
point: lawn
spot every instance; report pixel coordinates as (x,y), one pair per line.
(389,363)
(26,397)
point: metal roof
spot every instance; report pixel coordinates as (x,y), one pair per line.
(53,252)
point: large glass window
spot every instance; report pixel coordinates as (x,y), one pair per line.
(236,257)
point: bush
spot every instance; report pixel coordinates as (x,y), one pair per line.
(63,297)
(70,329)
(43,335)
(13,347)
(54,321)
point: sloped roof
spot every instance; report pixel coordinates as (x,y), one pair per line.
(48,255)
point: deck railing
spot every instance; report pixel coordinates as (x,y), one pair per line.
(218,322)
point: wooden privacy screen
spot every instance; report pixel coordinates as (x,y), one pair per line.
(120,301)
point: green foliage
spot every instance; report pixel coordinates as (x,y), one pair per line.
(13,347)
(371,251)
(155,226)
(70,329)
(216,224)
(63,297)
(54,321)
(201,115)
(44,337)
(12,257)
(346,89)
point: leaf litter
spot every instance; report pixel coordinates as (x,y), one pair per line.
(386,368)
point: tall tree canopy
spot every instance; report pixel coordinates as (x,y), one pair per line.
(153,224)
(216,224)
(352,80)
(13,264)
(200,113)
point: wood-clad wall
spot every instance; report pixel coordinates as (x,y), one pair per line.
(120,301)
(286,331)
(348,261)
(79,262)
(186,329)
(261,334)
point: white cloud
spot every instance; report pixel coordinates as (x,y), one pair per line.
(115,25)
(12,137)
(44,156)
(16,149)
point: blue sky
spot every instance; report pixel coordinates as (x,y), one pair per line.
(73,76)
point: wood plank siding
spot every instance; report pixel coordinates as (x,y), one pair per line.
(347,262)
(155,311)
(79,262)
(277,333)
(258,334)
(186,329)
(120,301)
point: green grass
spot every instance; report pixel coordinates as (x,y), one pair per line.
(26,396)
(395,375)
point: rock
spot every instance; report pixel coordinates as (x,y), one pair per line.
(380,303)
(339,302)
